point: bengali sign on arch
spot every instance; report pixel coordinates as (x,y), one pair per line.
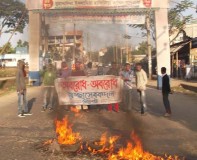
(89,90)
(63,4)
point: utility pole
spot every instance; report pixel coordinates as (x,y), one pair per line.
(74,44)
(149,46)
(64,42)
(127,49)
(90,49)
(88,45)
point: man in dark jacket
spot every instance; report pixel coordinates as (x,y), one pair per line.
(166,91)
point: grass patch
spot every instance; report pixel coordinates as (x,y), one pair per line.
(7,72)
(8,86)
(180,89)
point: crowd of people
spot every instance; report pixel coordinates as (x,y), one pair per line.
(125,73)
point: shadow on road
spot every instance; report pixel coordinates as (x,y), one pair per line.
(30,104)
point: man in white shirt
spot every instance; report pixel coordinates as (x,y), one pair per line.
(127,76)
(141,81)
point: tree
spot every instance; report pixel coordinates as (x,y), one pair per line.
(25,44)
(142,49)
(12,14)
(7,48)
(175,18)
(20,43)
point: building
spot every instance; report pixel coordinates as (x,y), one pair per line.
(67,44)
(183,51)
(10,60)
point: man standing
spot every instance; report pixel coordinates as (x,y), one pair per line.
(141,81)
(49,87)
(77,71)
(21,89)
(165,91)
(127,76)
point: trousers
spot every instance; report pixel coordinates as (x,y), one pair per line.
(166,102)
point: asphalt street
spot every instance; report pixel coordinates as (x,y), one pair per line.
(159,135)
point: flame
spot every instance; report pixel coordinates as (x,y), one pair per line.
(106,144)
(76,111)
(135,152)
(48,142)
(65,135)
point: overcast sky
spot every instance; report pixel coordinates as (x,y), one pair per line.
(101,35)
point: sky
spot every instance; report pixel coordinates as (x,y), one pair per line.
(101,35)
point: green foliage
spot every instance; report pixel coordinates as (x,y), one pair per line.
(20,43)
(175,18)
(7,48)
(10,13)
(142,49)
(108,57)
(94,56)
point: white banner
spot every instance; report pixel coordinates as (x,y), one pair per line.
(62,4)
(124,19)
(89,90)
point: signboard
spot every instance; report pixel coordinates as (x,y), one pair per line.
(124,19)
(63,4)
(89,90)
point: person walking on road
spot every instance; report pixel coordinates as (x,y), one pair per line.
(113,71)
(21,89)
(141,81)
(166,91)
(127,77)
(49,89)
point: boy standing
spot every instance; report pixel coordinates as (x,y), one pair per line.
(48,82)
(166,91)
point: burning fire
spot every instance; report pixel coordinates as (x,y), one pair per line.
(48,142)
(106,144)
(76,111)
(65,134)
(136,152)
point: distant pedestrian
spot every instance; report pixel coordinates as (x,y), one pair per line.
(127,76)
(78,71)
(89,71)
(113,71)
(48,84)
(21,89)
(141,82)
(188,72)
(65,71)
(166,90)
(100,70)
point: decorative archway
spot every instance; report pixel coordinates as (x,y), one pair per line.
(107,11)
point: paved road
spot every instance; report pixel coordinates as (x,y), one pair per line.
(5,78)
(175,135)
